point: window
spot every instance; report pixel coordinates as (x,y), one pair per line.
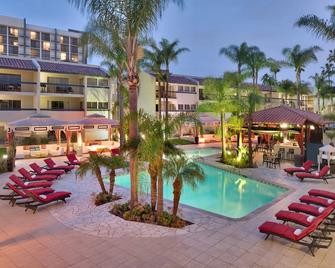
(64,40)
(180,88)
(46,45)
(187,107)
(46,55)
(57,85)
(92,82)
(91,105)
(193,89)
(57,105)
(45,36)
(187,89)
(63,56)
(34,36)
(74,41)
(3,29)
(35,53)
(180,107)
(2,49)
(103,105)
(193,107)
(13,50)
(74,57)
(10,104)
(13,31)
(10,79)
(103,82)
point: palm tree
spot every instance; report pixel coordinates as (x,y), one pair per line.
(298,59)
(256,61)
(153,61)
(252,101)
(275,67)
(219,100)
(182,171)
(287,87)
(269,81)
(93,163)
(111,163)
(169,52)
(129,19)
(237,54)
(320,27)
(319,83)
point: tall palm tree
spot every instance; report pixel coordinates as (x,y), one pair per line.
(269,81)
(93,164)
(182,171)
(275,67)
(153,61)
(129,19)
(169,52)
(298,59)
(256,61)
(219,100)
(319,83)
(320,27)
(237,54)
(287,87)
(111,163)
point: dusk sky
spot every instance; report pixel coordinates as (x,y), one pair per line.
(204,27)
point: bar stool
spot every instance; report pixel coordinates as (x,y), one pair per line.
(281,152)
(290,154)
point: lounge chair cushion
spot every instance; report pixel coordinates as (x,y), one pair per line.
(291,216)
(308,209)
(315,200)
(53,197)
(29,185)
(322,193)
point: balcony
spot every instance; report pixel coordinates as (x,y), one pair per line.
(27,87)
(171,95)
(68,89)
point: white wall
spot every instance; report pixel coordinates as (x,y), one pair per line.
(147,93)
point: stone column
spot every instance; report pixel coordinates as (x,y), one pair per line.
(37,97)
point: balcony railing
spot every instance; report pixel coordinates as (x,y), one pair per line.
(18,87)
(171,95)
(62,88)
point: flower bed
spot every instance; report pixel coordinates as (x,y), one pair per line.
(103,198)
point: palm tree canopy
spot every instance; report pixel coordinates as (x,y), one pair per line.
(268,80)
(320,27)
(153,59)
(287,87)
(256,59)
(170,51)
(90,164)
(186,170)
(298,58)
(237,54)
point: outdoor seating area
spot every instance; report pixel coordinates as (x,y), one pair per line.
(311,221)
(32,189)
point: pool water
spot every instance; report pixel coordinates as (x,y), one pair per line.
(221,192)
(203,152)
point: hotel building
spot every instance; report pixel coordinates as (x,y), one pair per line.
(45,70)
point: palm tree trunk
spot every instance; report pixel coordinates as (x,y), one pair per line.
(167,96)
(159,100)
(319,104)
(249,140)
(176,196)
(121,107)
(111,181)
(100,181)
(223,136)
(298,89)
(160,188)
(153,186)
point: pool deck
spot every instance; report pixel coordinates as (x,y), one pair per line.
(78,234)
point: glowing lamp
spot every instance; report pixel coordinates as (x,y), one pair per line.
(284,125)
(312,127)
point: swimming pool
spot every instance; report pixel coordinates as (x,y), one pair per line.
(202,152)
(222,192)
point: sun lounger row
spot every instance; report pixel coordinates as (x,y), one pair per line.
(32,190)
(311,220)
(306,172)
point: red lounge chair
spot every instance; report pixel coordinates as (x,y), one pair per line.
(40,200)
(318,176)
(26,175)
(317,201)
(29,185)
(303,237)
(51,165)
(18,194)
(115,151)
(301,218)
(39,170)
(72,160)
(308,209)
(305,168)
(322,193)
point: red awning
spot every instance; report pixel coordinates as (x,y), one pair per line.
(285,114)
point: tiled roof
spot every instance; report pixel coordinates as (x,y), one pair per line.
(285,114)
(65,68)
(184,79)
(13,63)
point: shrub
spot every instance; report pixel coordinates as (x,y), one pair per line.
(103,198)
(165,219)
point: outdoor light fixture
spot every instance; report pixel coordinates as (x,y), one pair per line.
(5,156)
(312,127)
(283,125)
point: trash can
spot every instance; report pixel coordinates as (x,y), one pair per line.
(297,160)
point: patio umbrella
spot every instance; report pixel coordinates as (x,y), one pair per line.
(98,120)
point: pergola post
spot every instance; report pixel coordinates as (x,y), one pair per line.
(68,140)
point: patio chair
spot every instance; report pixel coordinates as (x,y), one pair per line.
(307,199)
(72,159)
(51,165)
(307,209)
(266,159)
(322,193)
(290,154)
(38,170)
(306,167)
(276,161)
(18,194)
(29,185)
(41,200)
(322,175)
(29,177)
(308,237)
(115,151)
